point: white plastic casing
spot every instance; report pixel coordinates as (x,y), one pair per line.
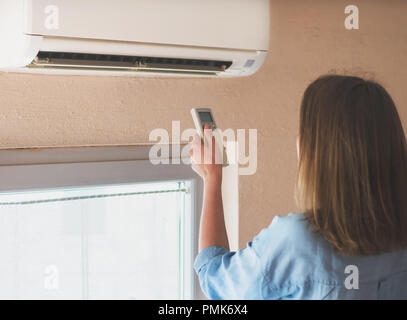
(231,30)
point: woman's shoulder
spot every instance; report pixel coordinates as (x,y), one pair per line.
(295,219)
(292,222)
(292,230)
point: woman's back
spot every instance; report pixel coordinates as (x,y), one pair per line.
(288,260)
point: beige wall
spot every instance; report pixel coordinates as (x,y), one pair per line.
(308,38)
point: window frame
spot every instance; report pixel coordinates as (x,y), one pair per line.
(51,168)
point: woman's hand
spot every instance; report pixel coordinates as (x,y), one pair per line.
(203,156)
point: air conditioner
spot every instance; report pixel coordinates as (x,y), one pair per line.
(224,38)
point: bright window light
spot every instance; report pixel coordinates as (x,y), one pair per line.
(130,241)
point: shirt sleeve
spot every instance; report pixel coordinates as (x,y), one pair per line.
(230,275)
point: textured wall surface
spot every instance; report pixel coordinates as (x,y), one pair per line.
(308,38)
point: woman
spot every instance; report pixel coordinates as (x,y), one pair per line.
(350,240)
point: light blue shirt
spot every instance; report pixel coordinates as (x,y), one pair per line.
(289,261)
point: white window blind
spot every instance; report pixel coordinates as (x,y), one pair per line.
(128,241)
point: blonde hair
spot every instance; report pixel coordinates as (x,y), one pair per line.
(352,174)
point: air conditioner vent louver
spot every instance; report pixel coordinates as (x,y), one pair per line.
(129,63)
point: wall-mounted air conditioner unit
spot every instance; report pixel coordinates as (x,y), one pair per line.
(134,37)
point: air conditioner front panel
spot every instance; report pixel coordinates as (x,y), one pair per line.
(233,24)
(16,48)
(225,38)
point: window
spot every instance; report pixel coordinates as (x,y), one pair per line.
(98,229)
